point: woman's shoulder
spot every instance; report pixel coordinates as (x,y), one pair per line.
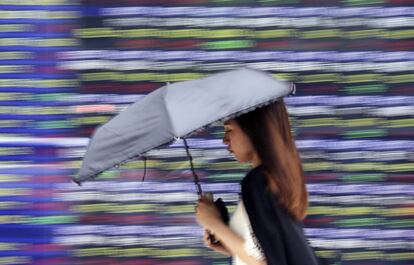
(257,197)
(254,188)
(254,177)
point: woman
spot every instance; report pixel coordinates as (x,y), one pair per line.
(265,228)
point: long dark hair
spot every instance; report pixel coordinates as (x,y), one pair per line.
(269,130)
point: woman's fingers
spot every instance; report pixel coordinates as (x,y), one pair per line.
(207,238)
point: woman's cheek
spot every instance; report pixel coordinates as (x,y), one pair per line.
(241,157)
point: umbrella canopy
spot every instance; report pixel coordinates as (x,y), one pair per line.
(175,111)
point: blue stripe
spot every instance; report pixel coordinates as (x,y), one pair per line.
(41,239)
(35,213)
(44,185)
(52,117)
(35,158)
(48,227)
(37,171)
(28,198)
(26,48)
(36,75)
(29,61)
(42,7)
(37,90)
(45,132)
(33,254)
(34,21)
(26,103)
(35,34)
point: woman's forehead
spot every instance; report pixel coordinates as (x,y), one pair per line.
(228,122)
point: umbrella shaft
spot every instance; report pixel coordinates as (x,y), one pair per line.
(196,180)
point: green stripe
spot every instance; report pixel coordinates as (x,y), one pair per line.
(364,177)
(365,133)
(227,44)
(366,89)
(62,124)
(44,220)
(362,2)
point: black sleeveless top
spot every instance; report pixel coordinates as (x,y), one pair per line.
(280,236)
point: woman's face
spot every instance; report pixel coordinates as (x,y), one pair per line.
(238,142)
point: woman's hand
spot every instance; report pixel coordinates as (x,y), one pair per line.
(217,246)
(207,214)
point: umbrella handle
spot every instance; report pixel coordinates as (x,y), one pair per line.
(209,197)
(224,214)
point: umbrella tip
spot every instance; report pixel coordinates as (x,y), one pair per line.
(77,182)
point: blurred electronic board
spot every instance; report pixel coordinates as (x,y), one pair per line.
(69,66)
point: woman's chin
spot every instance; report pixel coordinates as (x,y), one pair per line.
(244,161)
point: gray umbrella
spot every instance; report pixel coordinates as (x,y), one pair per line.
(175,111)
